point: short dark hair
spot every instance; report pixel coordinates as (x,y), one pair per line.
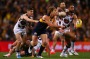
(61,2)
(30,8)
(71,4)
(50,9)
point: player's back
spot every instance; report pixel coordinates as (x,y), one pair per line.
(41,25)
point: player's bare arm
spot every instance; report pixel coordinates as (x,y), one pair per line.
(28,19)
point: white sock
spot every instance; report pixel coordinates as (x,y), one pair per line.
(65,49)
(69,50)
(18,53)
(52,50)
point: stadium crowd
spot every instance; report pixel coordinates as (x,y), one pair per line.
(10,10)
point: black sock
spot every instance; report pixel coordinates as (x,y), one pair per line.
(41,50)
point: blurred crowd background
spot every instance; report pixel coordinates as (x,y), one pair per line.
(10,11)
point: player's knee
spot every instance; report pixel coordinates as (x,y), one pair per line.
(44,43)
(33,43)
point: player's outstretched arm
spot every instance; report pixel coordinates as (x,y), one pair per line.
(28,19)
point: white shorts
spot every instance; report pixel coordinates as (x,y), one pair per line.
(66,30)
(19,30)
(58,33)
(38,45)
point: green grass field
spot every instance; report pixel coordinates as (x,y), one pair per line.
(83,55)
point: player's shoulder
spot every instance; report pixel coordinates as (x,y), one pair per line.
(45,17)
(22,16)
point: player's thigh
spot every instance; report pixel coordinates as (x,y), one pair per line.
(24,38)
(57,35)
(62,38)
(44,38)
(72,34)
(34,39)
(18,37)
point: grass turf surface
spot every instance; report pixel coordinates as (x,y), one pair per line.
(82,55)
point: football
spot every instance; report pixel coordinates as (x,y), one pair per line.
(78,23)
